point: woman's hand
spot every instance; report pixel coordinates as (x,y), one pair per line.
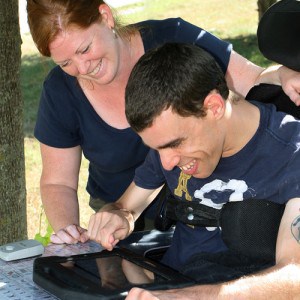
(242,75)
(71,234)
(290,81)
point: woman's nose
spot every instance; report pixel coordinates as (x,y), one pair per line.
(83,66)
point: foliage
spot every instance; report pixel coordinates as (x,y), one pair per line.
(45,240)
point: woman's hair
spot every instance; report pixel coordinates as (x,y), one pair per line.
(47,18)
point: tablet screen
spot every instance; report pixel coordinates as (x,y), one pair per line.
(112,272)
(104,275)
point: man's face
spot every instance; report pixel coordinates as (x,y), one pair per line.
(195,145)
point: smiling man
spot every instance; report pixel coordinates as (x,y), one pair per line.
(222,158)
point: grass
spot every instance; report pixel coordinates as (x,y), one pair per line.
(233,20)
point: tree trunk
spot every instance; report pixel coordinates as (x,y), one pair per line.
(13,224)
(263,5)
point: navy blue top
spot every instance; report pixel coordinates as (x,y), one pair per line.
(67,119)
(266,168)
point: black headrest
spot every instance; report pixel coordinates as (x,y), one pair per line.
(278,33)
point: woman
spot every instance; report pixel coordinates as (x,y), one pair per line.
(82,102)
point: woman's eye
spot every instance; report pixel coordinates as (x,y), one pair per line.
(85,50)
(64,65)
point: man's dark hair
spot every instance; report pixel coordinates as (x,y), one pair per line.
(174,75)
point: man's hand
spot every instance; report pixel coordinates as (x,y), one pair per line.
(115,221)
(71,234)
(108,227)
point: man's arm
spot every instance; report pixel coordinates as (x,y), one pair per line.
(114,222)
(279,282)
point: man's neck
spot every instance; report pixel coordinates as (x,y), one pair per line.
(242,119)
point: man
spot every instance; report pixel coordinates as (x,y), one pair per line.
(213,150)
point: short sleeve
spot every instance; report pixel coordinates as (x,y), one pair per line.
(56,119)
(189,33)
(176,30)
(149,175)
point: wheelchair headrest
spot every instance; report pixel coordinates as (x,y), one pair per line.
(278,33)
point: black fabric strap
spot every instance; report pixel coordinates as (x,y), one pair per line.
(192,213)
(249,227)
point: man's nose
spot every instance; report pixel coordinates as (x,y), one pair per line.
(169,159)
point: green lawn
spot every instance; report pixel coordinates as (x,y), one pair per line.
(232,20)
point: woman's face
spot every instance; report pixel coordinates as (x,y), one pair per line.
(92,53)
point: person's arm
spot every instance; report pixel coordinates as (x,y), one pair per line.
(242,75)
(279,282)
(287,78)
(59,183)
(115,221)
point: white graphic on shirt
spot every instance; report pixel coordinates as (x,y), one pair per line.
(238,188)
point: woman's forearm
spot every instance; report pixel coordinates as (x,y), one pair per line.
(61,205)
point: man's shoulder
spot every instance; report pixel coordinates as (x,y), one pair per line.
(281,126)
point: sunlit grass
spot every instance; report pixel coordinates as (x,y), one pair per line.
(33,172)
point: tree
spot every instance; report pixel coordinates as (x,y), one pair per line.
(13,224)
(263,5)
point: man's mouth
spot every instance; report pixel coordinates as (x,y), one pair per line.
(189,168)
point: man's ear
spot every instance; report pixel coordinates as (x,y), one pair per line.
(215,105)
(106,15)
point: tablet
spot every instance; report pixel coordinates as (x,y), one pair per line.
(103,275)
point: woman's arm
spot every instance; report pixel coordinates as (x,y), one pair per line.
(59,184)
(242,75)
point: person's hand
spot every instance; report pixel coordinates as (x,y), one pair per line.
(290,81)
(141,294)
(71,234)
(108,227)
(175,294)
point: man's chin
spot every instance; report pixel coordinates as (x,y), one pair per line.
(201,175)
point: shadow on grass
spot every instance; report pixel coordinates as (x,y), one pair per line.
(34,69)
